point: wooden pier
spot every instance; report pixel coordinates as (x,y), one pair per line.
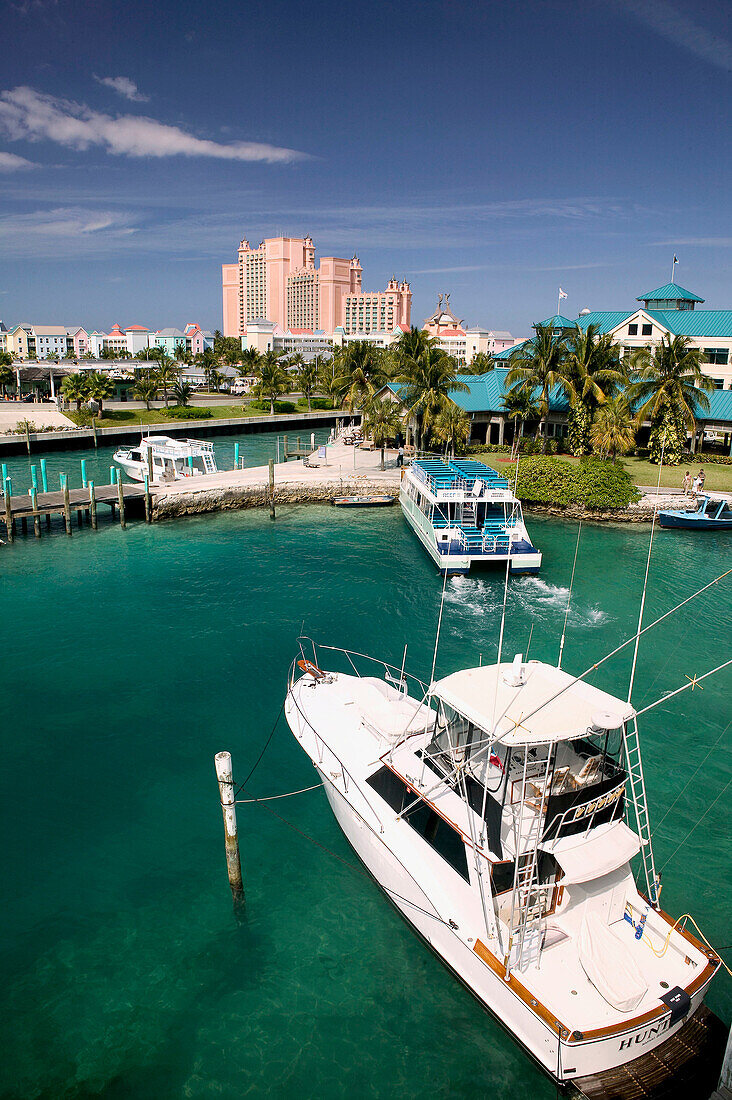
(35,506)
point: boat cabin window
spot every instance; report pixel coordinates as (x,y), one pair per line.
(440,836)
(136,456)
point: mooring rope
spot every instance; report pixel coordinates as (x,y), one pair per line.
(264,749)
(271,797)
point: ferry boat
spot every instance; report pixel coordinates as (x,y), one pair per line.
(171,458)
(711,515)
(499,809)
(463,513)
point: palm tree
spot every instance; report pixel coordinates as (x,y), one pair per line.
(99,387)
(6,373)
(216,378)
(429,379)
(481,363)
(180,352)
(362,373)
(146,386)
(668,388)
(520,407)
(452,426)
(167,375)
(594,365)
(248,364)
(307,379)
(182,393)
(612,432)
(411,345)
(541,364)
(381,422)
(329,377)
(74,388)
(273,379)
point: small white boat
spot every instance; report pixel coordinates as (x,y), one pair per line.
(465,514)
(500,808)
(170,459)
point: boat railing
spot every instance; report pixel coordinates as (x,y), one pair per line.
(389,670)
(586,811)
(498,542)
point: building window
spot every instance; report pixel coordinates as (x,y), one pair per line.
(717,356)
(632,330)
(718,383)
(646,330)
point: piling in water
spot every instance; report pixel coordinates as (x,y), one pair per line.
(83,473)
(93,505)
(67,506)
(271,489)
(8,509)
(228,808)
(148,503)
(36,517)
(44,475)
(121,502)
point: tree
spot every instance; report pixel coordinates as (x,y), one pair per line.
(146,386)
(99,388)
(75,388)
(167,375)
(594,366)
(411,345)
(227,349)
(362,373)
(452,426)
(541,364)
(481,363)
(307,379)
(612,432)
(668,388)
(381,422)
(180,353)
(273,379)
(521,407)
(329,378)
(429,379)
(6,372)
(216,379)
(182,393)
(248,364)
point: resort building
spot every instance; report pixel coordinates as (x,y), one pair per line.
(459,341)
(265,336)
(668,310)
(280,282)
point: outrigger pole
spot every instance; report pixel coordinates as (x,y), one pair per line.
(694,681)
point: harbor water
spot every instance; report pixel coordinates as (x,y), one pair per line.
(129,658)
(255,449)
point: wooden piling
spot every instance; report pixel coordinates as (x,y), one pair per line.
(93,506)
(83,473)
(8,512)
(67,508)
(36,517)
(150,463)
(121,502)
(44,475)
(284,447)
(271,489)
(24,524)
(228,809)
(94,429)
(34,477)
(236,456)
(148,508)
(27,435)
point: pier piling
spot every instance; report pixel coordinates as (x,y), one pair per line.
(228,808)
(149,463)
(271,489)
(67,507)
(236,456)
(27,435)
(148,503)
(121,502)
(92,505)
(34,477)
(44,475)
(9,522)
(36,514)
(83,473)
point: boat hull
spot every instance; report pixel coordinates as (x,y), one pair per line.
(362,502)
(692,522)
(562,1059)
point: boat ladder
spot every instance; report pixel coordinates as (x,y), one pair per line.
(468,514)
(528,900)
(637,791)
(209,465)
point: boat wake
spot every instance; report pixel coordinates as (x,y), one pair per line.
(531,595)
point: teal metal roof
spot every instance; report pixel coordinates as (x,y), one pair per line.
(669,291)
(506,353)
(607,319)
(720,402)
(557,321)
(695,323)
(486,392)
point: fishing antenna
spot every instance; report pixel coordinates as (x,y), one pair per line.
(569,596)
(645,581)
(439,625)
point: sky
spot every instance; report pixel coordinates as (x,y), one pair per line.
(493,150)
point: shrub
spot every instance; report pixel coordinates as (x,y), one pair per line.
(279,406)
(593,482)
(315,403)
(189,412)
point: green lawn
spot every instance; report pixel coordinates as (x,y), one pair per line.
(643,472)
(114,418)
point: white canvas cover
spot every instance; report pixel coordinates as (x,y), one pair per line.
(610,966)
(584,858)
(386,711)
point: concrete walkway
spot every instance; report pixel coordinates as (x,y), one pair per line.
(43,414)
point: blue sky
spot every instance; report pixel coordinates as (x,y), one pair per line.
(494,150)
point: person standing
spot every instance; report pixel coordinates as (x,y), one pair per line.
(695,487)
(400,456)
(701,478)
(687,483)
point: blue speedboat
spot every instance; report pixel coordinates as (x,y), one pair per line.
(711,515)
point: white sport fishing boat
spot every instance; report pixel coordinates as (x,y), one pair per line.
(169,459)
(500,808)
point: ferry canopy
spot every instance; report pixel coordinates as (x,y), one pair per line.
(530,704)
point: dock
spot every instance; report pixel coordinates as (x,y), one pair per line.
(37,506)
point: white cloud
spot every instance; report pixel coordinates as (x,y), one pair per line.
(697,242)
(678,28)
(77,230)
(124,86)
(32,116)
(9,162)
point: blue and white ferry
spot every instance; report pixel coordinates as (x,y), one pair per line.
(463,513)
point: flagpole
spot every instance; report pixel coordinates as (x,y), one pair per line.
(673,267)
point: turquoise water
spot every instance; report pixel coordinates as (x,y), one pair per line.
(130,657)
(254,450)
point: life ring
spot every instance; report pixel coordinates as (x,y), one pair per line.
(308,666)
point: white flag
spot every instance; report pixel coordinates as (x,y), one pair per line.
(561,294)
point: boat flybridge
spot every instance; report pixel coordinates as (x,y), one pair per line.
(464,513)
(169,459)
(500,808)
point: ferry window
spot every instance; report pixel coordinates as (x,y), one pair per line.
(431,827)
